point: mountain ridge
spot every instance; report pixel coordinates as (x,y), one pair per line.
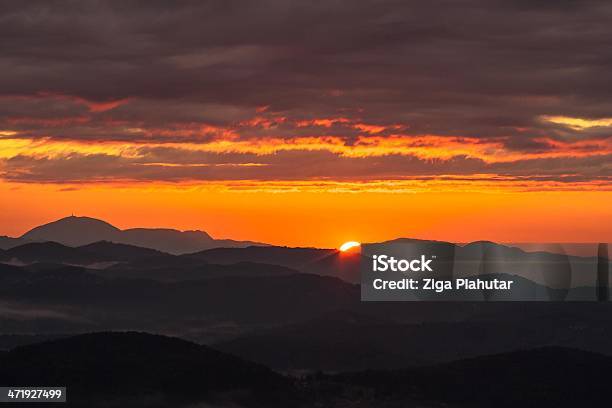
(80,231)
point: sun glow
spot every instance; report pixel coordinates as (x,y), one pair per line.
(349,245)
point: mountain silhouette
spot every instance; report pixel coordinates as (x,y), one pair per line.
(74,231)
(120,252)
(140,369)
(325,262)
(232,293)
(78,231)
(277,255)
(51,252)
(173,269)
(214,303)
(8,242)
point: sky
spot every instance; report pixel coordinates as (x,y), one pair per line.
(310,123)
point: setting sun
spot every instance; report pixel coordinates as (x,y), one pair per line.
(349,245)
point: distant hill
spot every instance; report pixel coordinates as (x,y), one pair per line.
(481,257)
(73,231)
(173,269)
(326,262)
(569,248)
(78,231)
(137,369)
(213,303)
(53,252)
(277,255)
(120,252)
(8,242)
(247,296)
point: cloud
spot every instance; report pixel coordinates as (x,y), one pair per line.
(579,123)
(169,164)
(508,78)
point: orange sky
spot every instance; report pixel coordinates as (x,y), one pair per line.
(308,216)
(300,126)
(313,190)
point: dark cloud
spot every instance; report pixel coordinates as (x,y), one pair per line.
(194,70)
(176,164)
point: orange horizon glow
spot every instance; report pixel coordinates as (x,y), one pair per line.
(319,218)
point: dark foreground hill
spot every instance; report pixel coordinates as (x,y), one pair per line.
(544,377)
(136,369)
(344,341)
(142,370)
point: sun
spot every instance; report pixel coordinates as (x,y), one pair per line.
(349,245)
